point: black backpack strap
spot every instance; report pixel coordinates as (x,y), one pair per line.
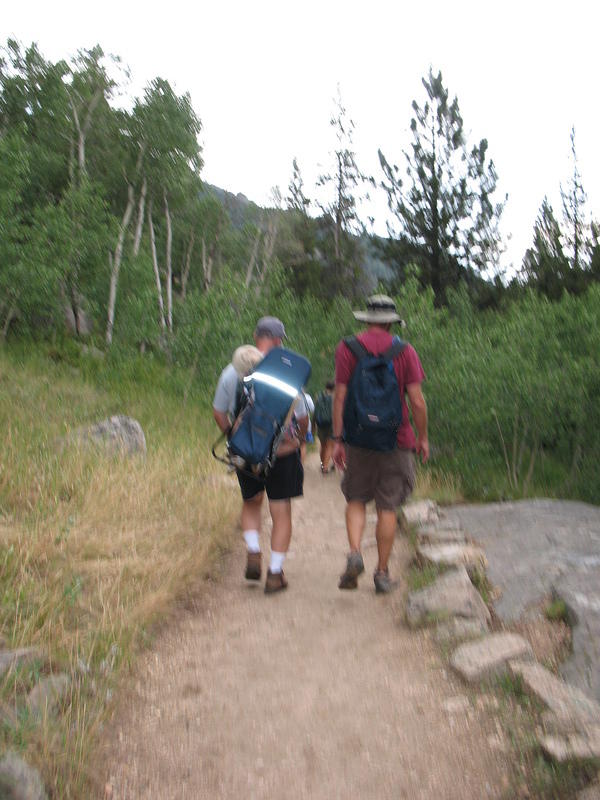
(394,350)
(356,348)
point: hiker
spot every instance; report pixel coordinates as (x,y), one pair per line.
(284,480)
(378,462)
(310,407)
(323,422)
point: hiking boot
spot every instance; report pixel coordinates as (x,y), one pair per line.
(383,583)
(275,582)
(354,567)
(253,567)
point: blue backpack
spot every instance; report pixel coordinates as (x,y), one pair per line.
(266,409)
(373,407)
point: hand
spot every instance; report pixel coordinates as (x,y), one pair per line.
(338,455)
(423,450)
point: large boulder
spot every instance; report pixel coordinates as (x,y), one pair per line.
(115,435)
(48,694)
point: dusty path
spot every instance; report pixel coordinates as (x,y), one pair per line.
(310,693)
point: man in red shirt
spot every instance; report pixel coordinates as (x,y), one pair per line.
(386,477)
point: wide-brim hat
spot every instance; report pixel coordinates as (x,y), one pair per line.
(381,309)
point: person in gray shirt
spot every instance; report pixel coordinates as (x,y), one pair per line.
(284,481)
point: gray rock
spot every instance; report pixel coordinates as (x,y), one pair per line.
(576,747)
(19,781)
(535,547)
(458,629)
(489,657)
(456,705)
(570,707)
(432,534)
(451,595)
(452,554)
(118,434)
(580,590)
(591,793)
(419,512)
(46,696)
(13,658)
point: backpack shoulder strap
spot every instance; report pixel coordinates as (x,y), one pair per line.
(356,348)
(394,350)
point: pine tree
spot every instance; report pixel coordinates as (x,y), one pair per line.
(448,221)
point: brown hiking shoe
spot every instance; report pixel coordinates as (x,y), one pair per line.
(383,583)
(253,566)
(354,567)
(275,582)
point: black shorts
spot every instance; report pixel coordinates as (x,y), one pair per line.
(284,481)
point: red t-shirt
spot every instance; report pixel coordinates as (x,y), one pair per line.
(407,366)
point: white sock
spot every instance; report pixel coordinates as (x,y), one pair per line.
(252,541)
(277,560)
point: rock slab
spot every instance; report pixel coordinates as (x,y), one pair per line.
(580,590)
(420,512)
(458,629)
(489,657)
(431,534)
(451,595)
(452,555)
(537,546)
(19,781)
(573,747)
(574,709)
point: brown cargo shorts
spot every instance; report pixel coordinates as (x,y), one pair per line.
(388,478)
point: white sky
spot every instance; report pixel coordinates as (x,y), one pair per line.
(262,76)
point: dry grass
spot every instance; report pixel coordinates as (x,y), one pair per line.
(94,551)
(442,487)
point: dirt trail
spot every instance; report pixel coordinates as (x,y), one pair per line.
(310,693)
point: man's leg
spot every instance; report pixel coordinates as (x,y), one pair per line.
(281,514)
(385,534)
(326,454)
(356,516)
(251,515)
(355,525)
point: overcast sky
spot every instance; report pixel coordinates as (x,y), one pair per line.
(262,77)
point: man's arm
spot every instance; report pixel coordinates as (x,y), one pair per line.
(339,451)
(222,420)
(418,407)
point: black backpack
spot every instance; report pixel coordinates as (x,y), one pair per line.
(373,406)
(323,410)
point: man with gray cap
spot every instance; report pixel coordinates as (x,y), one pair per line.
(376,468)
(285,479)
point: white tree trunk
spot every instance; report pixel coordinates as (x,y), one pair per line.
(253,255)
(83,130)
(188,262)
(140,219)
(161,307)
(169,266)
(116,264)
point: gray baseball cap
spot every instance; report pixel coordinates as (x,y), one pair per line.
(271,327)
